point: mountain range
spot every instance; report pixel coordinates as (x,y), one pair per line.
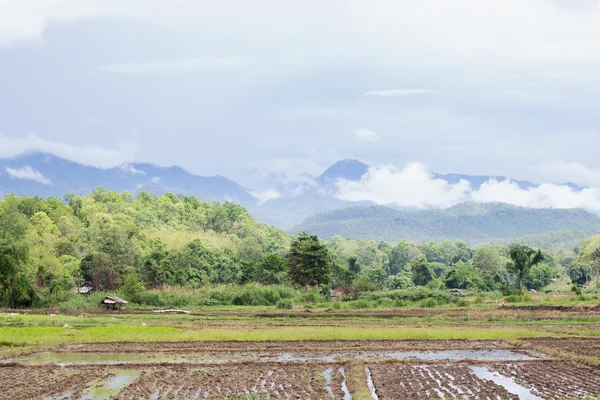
(306,203)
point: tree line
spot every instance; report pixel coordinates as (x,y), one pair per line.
(113,241)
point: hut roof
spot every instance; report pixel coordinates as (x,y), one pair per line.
(113,300)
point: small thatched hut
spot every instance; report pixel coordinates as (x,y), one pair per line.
(114,301)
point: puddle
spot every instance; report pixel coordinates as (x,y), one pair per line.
(112,386)
(370,384)
(508,383)
(347,395)
(480,355)
(74,358)
(327,376)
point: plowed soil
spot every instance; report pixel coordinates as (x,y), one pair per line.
(314,379)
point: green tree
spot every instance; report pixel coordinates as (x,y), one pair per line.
(271,270)
(580,273)
(422,273)
(309,261)
(523,259)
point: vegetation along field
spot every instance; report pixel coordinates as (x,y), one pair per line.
(221,306)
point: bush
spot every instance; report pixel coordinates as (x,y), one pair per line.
(285,304)
(413,294)
(478,300)
(518,298)
(462,303)
(385,302)
(428,303)
(337,305)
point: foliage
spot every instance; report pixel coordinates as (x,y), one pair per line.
(580,273)
(523,259)
(422,273)
(309,261)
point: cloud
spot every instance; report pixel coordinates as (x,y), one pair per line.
(30,174)
(398,92)
(173,67)
(89,154)
(414,186)
(366,135)
(266,195)
(131,169)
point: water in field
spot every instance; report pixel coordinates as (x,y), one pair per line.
(74,358)
(508,383)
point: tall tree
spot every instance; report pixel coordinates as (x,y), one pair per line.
(422,273)
(309,261)
(14,250)
(523,259)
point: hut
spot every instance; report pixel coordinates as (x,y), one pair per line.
(458,293)
(114,301)
(84,289)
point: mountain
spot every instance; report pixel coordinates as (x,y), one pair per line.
(472,222)
(348,169)
(48,175)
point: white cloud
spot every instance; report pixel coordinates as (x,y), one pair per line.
(28,173)
(398,92)
(411,186)
(414,186)
(266,195)
(366,135)
(131,169)
(92,154)
(173,67)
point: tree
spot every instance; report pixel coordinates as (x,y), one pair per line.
(14,251)
(399,258)
(421,272)
(464,276)
(580,273)
(309,261)
(271,270)
(523,259)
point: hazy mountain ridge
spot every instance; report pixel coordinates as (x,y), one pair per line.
(472,222)
(47,175)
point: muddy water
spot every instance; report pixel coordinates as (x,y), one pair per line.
(74,358)
(106,389)
(508,383)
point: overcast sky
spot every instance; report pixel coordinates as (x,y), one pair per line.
(498,87)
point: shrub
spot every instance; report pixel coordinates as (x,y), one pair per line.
(285,304)
(337,305)
(411,294)
(478,300)
(462,303)
(428,303)
(518,298)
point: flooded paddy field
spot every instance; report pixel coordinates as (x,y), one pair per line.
(380,369)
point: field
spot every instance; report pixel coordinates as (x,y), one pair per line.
(515,353)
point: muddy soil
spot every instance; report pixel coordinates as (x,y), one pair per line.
(554,379)
(403,381)
(325,347)
(580,347)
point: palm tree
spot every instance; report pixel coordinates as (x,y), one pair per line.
(523,258)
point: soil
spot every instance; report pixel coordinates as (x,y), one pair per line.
(407,379)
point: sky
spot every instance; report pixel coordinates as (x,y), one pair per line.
(242,88)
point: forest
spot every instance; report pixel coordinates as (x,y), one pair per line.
(472,222)
(177,250)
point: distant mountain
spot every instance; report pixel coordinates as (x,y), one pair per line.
(348,169)
(472,222)
(47,175)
